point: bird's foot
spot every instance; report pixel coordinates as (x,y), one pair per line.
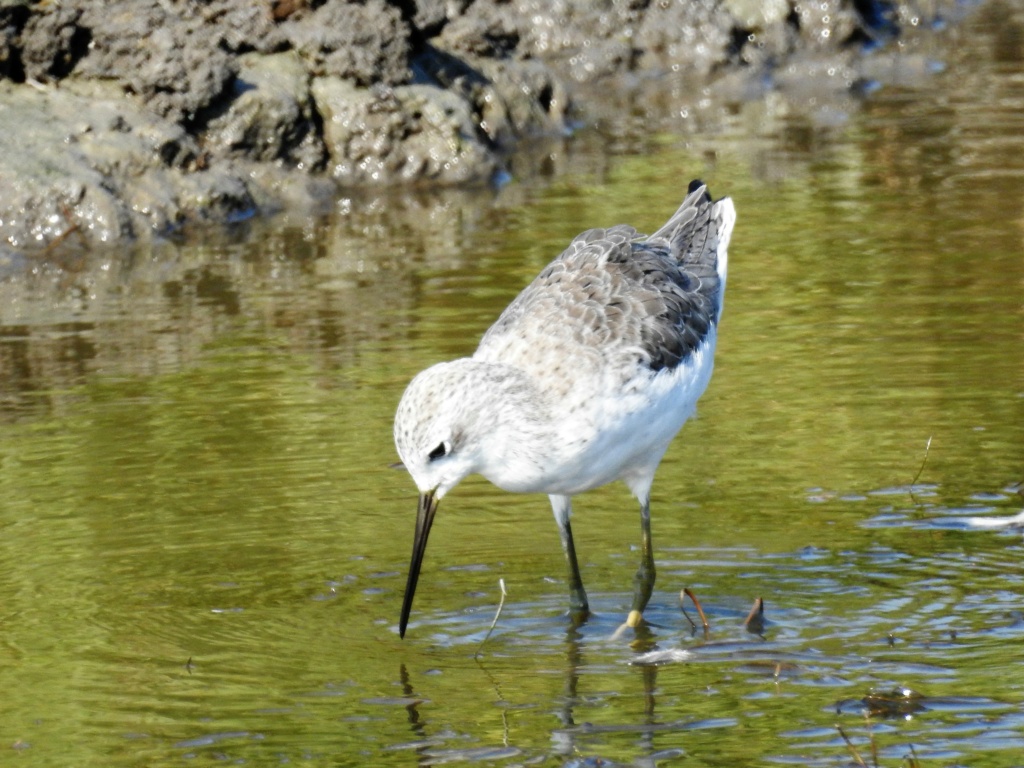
(578,616)
(635,621)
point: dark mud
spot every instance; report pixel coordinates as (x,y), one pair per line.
(131,117)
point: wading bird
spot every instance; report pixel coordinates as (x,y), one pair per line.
(584,379)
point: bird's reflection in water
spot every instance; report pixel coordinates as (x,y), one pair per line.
(566,738)
(572,737)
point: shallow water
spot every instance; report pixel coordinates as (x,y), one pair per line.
(203,550)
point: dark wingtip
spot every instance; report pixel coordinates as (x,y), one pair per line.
(697,184)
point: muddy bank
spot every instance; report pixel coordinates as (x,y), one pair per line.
(132,117)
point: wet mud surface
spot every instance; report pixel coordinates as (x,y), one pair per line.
(127,118)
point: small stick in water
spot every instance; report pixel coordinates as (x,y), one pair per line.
(501,604)
(927,447)
(687,592)
(755,619)
(849,745)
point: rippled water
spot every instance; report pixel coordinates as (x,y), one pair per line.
(203,550)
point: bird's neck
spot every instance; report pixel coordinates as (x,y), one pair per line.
(516,422)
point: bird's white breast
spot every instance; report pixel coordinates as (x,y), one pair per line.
(601,434)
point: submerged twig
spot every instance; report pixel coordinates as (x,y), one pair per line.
(910,761)
(501,604)
(755,619)
(687,592)
(871,739)
(927,447)
(853,750)
(498,693)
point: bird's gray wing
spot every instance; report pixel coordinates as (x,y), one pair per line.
(617,301)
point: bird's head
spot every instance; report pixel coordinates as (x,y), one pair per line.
(457,419)
(438,434)
(436,428)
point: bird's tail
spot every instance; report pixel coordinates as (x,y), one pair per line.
(698,232)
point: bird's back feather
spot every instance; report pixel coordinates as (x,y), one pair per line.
(615,298)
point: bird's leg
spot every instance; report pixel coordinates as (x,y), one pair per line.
(562,507)
(643,582)
(577,595)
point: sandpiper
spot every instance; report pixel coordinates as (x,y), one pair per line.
(585,378)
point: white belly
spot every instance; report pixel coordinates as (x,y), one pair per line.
(617,436)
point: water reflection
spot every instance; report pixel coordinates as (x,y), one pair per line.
(899,660)
(569,738)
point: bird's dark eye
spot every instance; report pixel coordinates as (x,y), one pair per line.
(439,452)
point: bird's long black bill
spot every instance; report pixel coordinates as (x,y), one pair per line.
(424,519)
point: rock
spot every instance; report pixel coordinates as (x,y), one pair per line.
(125,117)
(528,95)
(211,195)
(180,71)
(410,133)
(92,162)
(368,44)
(483,32)
(431,16)
(245,27)
(827,23)
(275,188)
(13,17)
(581,39)
(682,35)
(48,185)
(272,117)
(567,29)
(757,14)
(52,43)
(510,99)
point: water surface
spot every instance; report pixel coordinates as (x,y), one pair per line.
(203,550)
